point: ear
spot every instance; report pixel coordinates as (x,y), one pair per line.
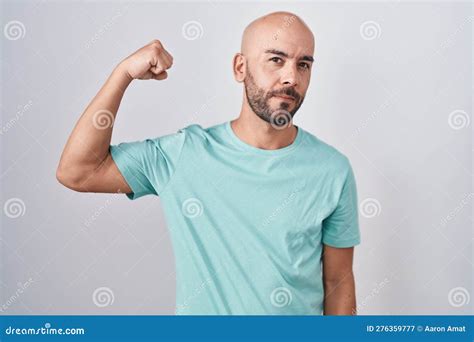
(239,66)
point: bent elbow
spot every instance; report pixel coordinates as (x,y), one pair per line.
(70,179)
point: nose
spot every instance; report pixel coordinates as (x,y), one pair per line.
(289,75)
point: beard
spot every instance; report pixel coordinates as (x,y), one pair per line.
(259,101)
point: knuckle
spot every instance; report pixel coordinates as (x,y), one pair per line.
(156,50)
(157,44)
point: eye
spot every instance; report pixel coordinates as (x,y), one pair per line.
(275,59)
(304,65)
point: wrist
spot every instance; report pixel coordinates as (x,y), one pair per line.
(122,72)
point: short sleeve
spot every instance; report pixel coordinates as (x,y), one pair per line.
(148,165)
(341,227)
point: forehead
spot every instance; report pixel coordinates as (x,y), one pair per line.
(294,41)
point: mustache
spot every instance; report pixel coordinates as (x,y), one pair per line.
(288,92)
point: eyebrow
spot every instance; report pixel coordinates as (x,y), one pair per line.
(284,54)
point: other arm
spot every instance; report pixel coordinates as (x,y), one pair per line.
(338,278)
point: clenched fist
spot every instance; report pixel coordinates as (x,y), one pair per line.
(151,61)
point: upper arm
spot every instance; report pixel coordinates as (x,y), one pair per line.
(136,168)
(341,227)
(337,264)
(105,178)
(147,166)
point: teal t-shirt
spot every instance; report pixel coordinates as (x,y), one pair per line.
(247,224)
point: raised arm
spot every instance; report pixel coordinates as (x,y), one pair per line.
(86,164)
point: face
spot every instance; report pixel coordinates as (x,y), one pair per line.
(276,84)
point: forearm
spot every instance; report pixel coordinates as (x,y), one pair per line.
(89,141)
(340,296)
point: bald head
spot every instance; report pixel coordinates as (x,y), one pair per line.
(275,65)
(275,30)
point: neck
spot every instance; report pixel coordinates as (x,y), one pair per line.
(259,133)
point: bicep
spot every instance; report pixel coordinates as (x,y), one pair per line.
(107,178)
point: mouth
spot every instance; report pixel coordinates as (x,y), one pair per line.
(286,97)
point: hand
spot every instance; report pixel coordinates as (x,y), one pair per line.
(151,61)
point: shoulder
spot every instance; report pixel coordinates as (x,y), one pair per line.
(189,132)
(197,130)
(325,154)
(197,135)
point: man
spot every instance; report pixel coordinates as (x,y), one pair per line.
(262,214)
